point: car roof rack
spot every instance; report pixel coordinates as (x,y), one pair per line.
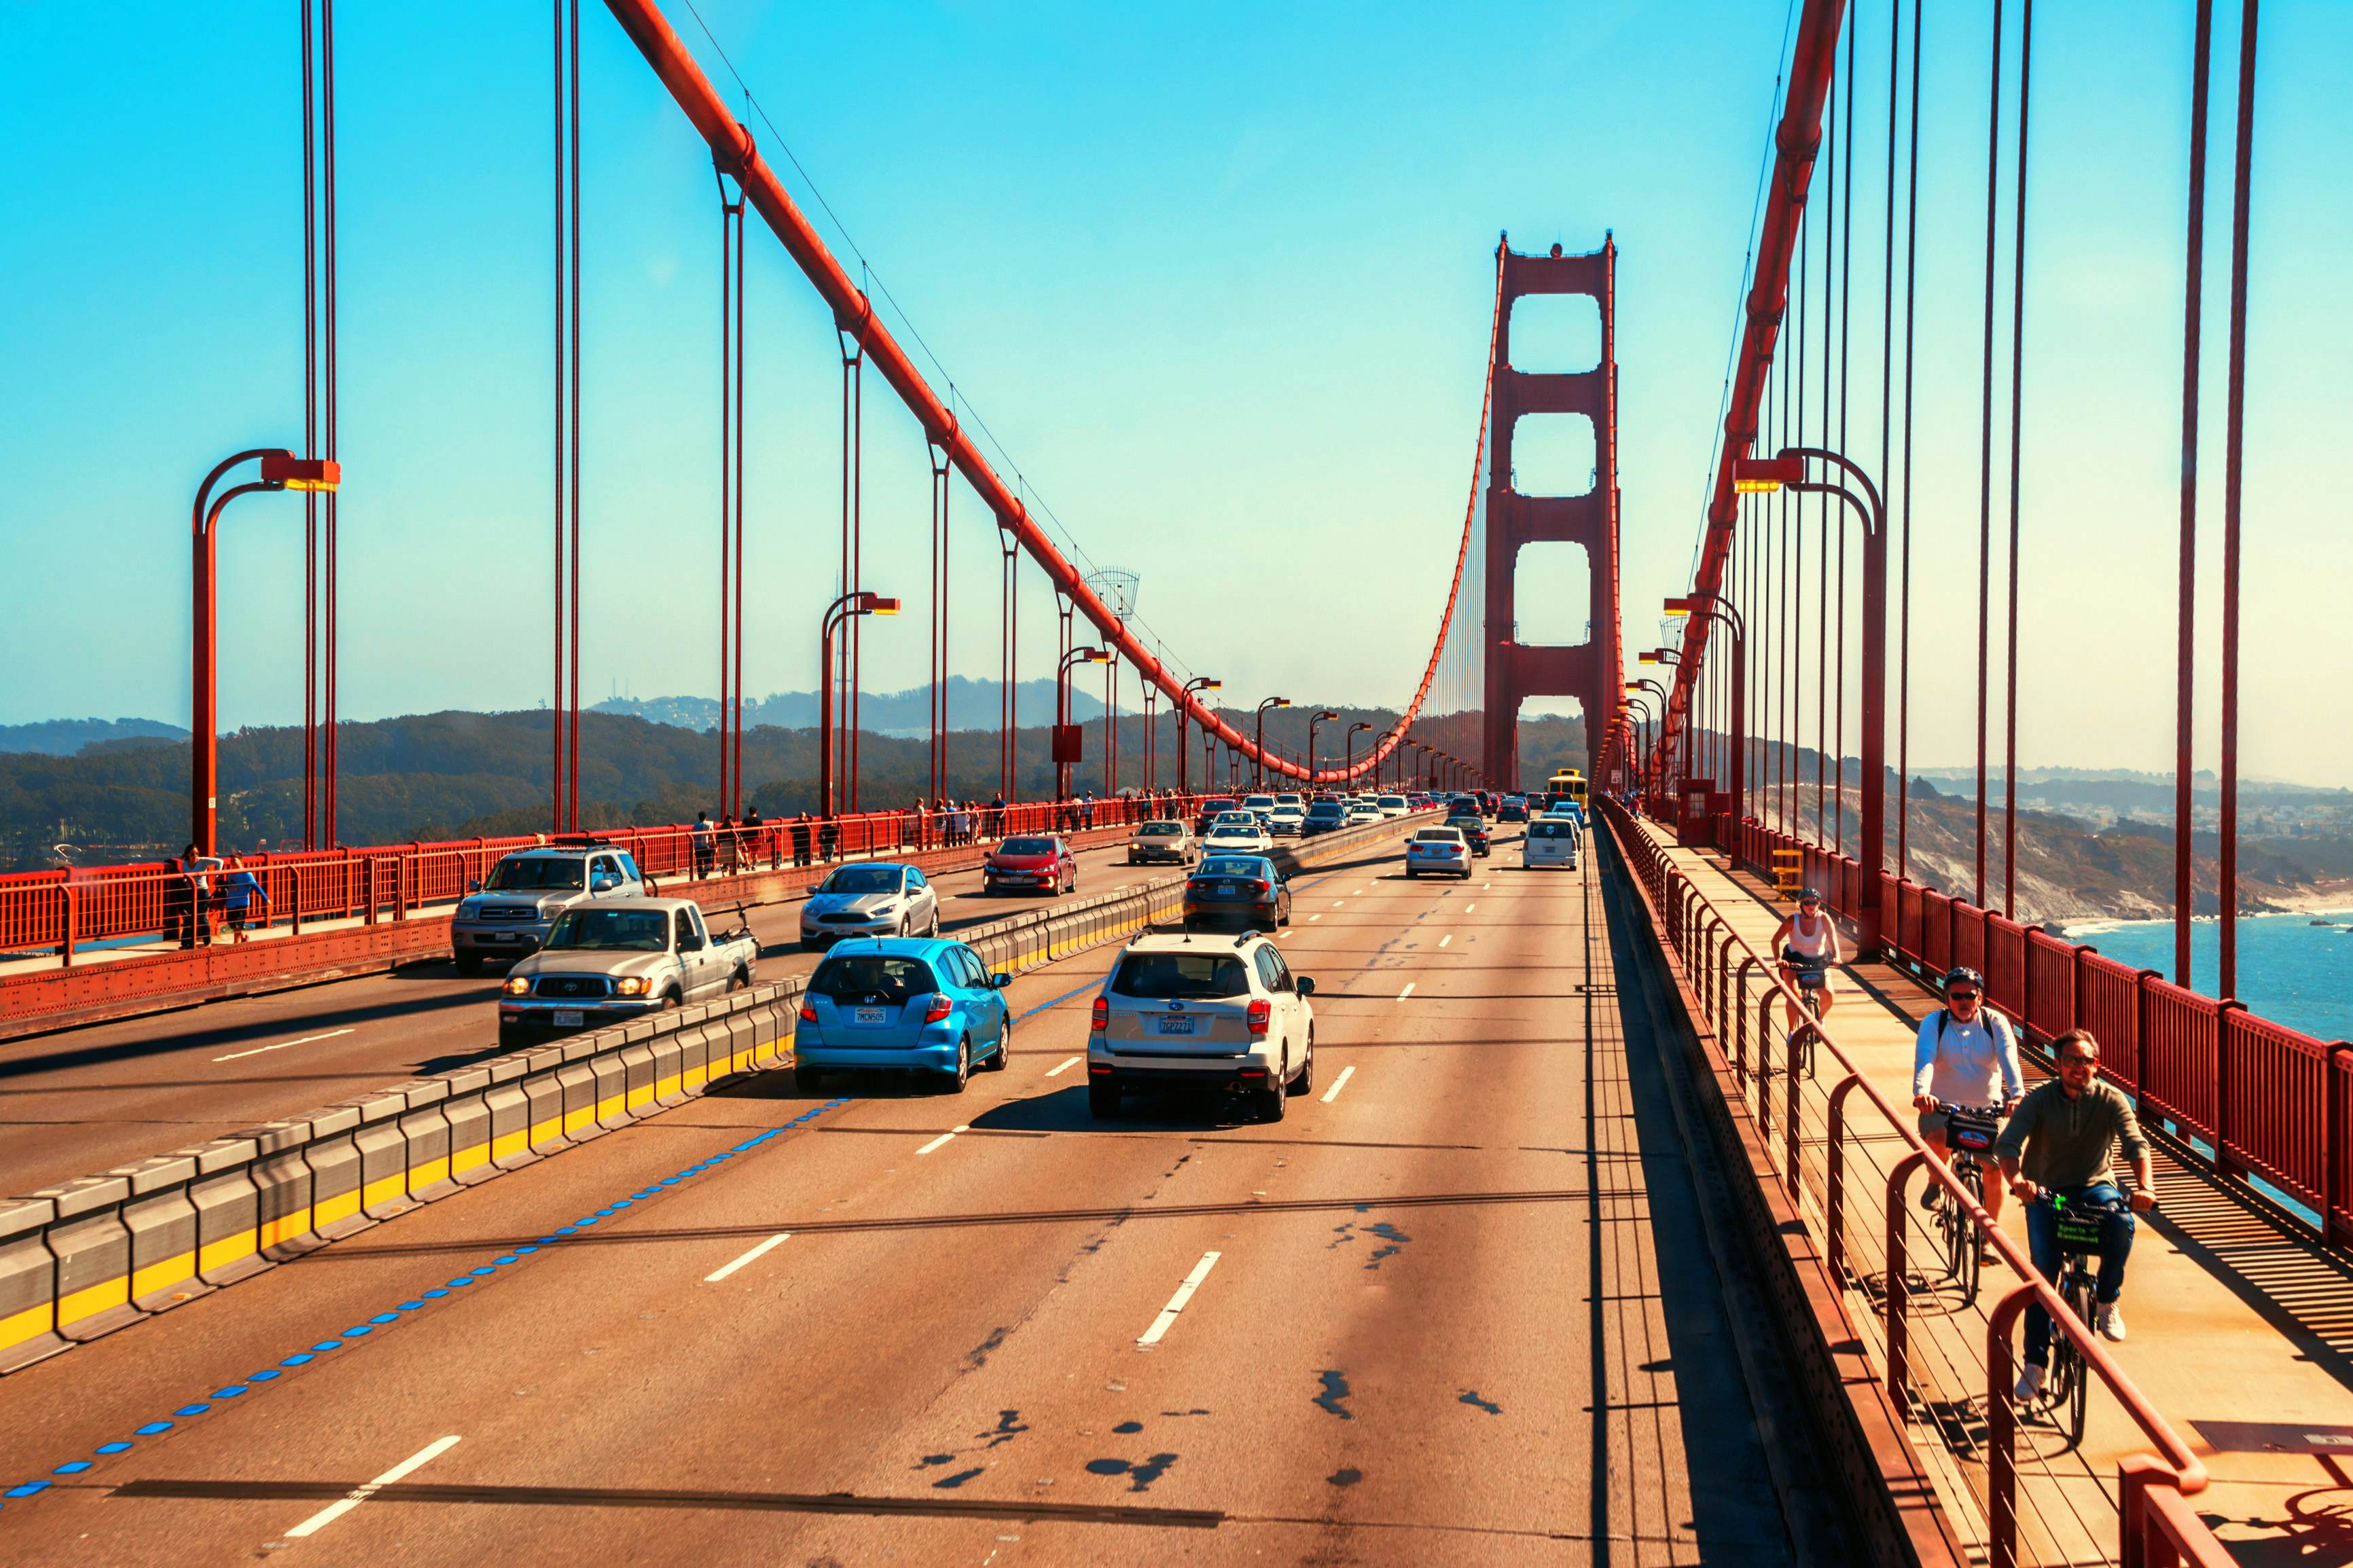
(576,841)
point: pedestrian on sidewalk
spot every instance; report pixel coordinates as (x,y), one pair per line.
(801,839)
(701,837)
(240,890)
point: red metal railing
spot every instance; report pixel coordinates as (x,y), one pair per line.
(1837,1145)
(64,911)
(2257,1098)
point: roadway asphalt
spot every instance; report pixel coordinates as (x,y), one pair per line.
(1456,1307)
(85,1100)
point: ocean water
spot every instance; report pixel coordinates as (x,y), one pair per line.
(2290,970)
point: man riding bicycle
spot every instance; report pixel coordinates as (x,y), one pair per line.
(1967,1055)
(1807,940)
(2059,1141)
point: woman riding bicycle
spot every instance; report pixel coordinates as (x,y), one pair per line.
(1967,1055)
(1809,940)
(2059,1141)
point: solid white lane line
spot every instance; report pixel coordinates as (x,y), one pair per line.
(1339,1083)
(1447,938)
(942,1138)
(401,1471)
(1161,1324)
(1407,991)
(1065,1067)
(282,1044)
(752,1257)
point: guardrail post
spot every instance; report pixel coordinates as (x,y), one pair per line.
(1764,1066)
(1739,1013)
(2335,1167)
(1834,1177)
(72,921)
(2226,1120)
(295,873)
(1793,1126)
(1899,1290)
(2140,1039)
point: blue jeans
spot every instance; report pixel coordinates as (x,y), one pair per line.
(2043,1245)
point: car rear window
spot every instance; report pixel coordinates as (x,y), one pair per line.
(1171,976)
(873,974)
(1439,835)
(1232,866)
(1026,847)
(1541,829)
(1159,829)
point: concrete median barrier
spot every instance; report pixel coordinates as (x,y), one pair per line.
(90,1256)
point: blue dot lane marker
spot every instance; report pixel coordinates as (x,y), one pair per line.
(192,1410)
(462,1280)
(357,1331)
(114,1447)
(152,1429)
(71,1467)
(566,1230)
(29,1489)
(382,1318)
(264,1376)
(299,1358)
(485,1269)
(323,1346)
(510,1257)
(231,1392)
(435,1293)
(525,1251)
(408,1307)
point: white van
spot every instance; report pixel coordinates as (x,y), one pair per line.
(1550,841)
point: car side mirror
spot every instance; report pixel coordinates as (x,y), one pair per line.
(475,886)
(689,945)
(603,884)
(1306,984)
(999,982)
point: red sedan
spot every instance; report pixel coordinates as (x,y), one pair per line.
(1037,862)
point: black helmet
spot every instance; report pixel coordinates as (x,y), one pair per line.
(1961,976)
(1809,896)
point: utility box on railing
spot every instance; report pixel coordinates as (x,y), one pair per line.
(1069,743)
(1694,825)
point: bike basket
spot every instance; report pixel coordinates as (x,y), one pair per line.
(1971,1135)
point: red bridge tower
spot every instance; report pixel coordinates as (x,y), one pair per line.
(1589,671)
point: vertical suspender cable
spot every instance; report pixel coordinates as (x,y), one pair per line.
(1846,367)
(328,745)
(727,213)
(2017,396)
(572,737)
(846,674)
(735,710)
(941,474)
(2186,648)
(1797,435)
(1985,451)
(2233,474)
(1904,638)
(310,445)
(562,289)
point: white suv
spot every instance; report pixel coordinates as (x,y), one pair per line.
(1202,1010)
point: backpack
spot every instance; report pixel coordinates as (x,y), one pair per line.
(1996,1026)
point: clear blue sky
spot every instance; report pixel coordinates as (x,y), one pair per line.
(1219,278)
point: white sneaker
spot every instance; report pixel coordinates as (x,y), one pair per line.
(2030,1382)
(2111,1323)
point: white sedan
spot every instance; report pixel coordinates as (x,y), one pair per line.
(1237,838)
(1442,850)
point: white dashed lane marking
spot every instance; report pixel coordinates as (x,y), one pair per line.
(282,1044)
(401,1471)
(753,1256)
(1407,991)
(1339,1084)
(943,1138)
(1065,1067)
(1168,1318)
(1447,938)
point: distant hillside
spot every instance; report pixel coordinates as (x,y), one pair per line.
(972,705)
(63,737)
(460,775)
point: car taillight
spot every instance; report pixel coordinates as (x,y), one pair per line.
(808,1014)
(941,1006)
(1261,1017)
(1263,887)
(1101,1014)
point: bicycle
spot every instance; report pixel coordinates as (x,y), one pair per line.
(1811,977)
(2069,1384)
(1969,1134)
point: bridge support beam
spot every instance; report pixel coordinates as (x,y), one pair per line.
(1588,670)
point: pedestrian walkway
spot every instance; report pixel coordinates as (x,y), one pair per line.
(2241,1329)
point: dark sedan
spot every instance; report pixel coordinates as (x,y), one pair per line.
(1474,830)
(1245,887)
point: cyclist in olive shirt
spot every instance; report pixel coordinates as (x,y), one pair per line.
(2058,1140)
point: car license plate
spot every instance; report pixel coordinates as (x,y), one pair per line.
(569,1017)
(1177,1024)
(496,936)
(869,1015)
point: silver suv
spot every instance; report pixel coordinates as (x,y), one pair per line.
(1221,1013)
(507,914)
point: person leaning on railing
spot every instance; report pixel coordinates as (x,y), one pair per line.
(2059,1141)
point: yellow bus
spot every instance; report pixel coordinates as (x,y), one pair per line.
(1566,784)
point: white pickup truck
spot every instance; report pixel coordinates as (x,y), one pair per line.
(617,958)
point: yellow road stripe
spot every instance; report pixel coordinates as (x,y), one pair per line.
(156,1275)
(18,1326)
(96,1299)
(228,1249)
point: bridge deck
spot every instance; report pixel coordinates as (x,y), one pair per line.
(1461,1312)
(2232,1319)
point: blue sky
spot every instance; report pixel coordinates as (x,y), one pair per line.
(1217,278)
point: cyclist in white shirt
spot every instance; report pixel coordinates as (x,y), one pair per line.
(1808,933)
(1967,1055)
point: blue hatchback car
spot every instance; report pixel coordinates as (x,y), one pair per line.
(903,1004)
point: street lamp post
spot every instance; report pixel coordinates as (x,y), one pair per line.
(836,613)
(280,470)
(1349,740)
(1666,656)
(1198,683)
(1787,468)
(1713,607)
(1062,724)
(1258,762)
(1313,720)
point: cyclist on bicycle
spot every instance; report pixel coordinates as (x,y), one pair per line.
(1967,1055)
(1808,939)
(2059,1141)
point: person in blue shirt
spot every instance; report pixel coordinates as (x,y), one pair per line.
(240,890)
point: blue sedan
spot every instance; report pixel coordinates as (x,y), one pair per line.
(903,1004)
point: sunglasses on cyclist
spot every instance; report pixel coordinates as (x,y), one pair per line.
(1960,995)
